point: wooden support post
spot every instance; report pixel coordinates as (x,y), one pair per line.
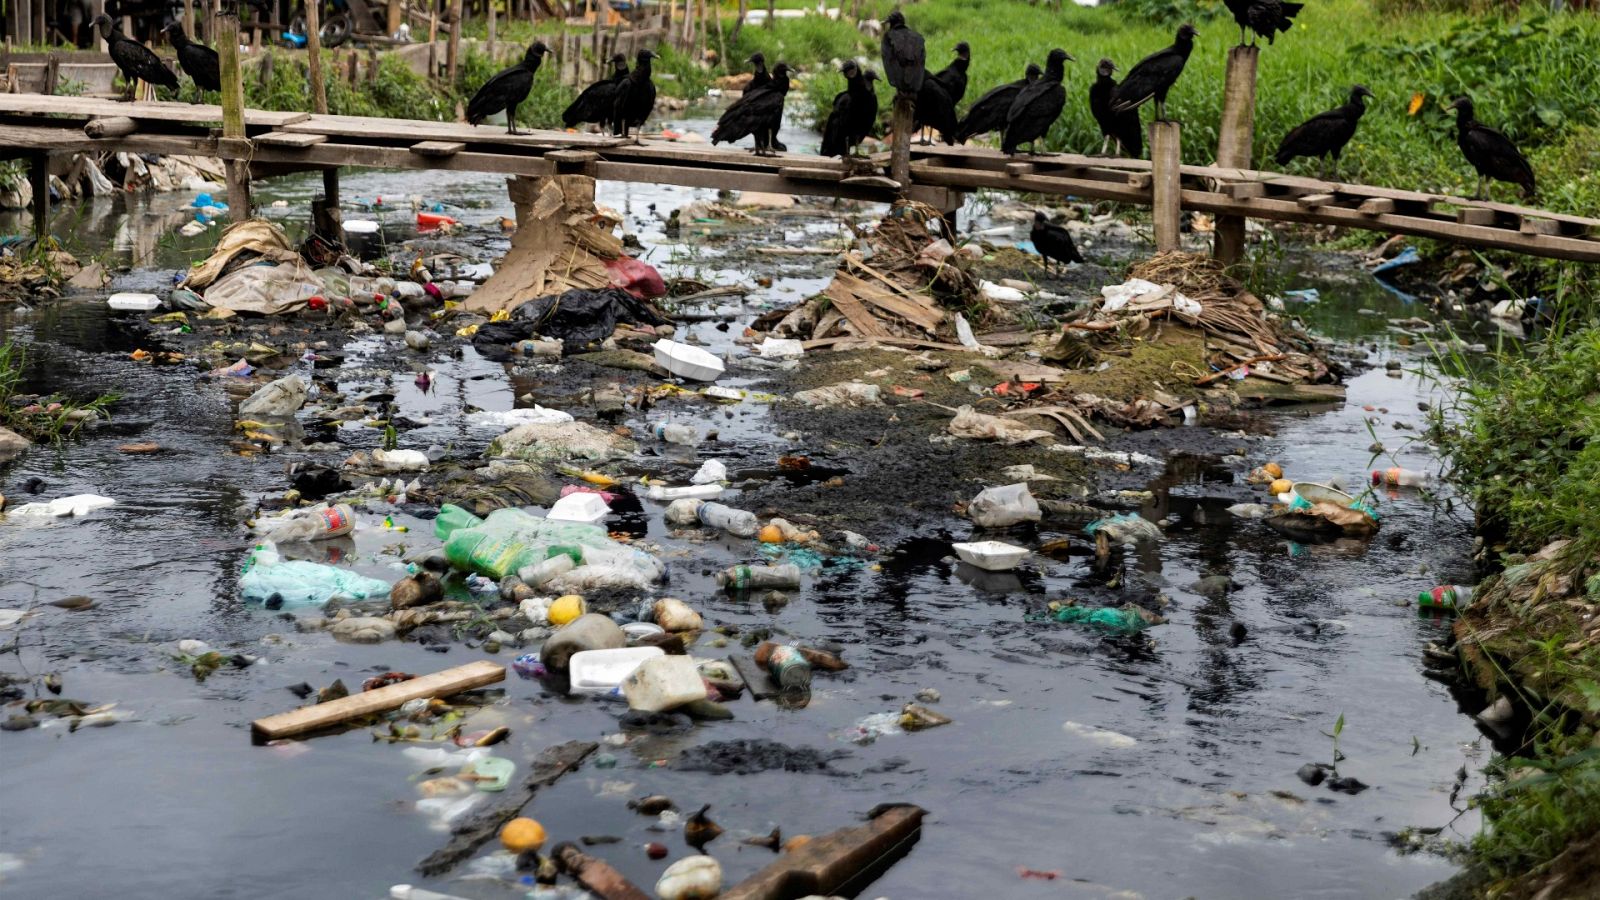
(237,172)
(1234,142)
(188,20)
(492,17)
(326,219)
(900,149)
(1166,199)
(52,73)
(39,180)
(433,44)
(97,9)
(394,16)
(319,87)
(452,50)
(772,15)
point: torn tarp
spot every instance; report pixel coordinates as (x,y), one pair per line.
(577,318)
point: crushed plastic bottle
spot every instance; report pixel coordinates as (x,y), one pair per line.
(682,435)
(1398,477)
(317,523)
(509,540)
(1445,596)
(691,492)
(737,522)
(740,578)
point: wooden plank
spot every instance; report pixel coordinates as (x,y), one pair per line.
(805,173)
(439,684)
(290,139)
(1375,206)
(478,826)
(1315,199)
(1247,190)
(1540,226)
(1166,194)
(1140,180)
(865,324)
(1020,168)
(438,148)
(1476,215)
(91,108)
(572,157)
(839,862)
(922,317)
(756,678)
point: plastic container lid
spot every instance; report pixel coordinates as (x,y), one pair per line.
(689,362)
(580,507)
(601,671)
(994,556)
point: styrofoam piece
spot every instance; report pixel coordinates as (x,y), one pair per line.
(134,302)
(663,683)
(782,348)
(360,226)
(994,556)
(689,362)
(601,671)
(580,507)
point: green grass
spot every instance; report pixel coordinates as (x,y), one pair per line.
(44,418)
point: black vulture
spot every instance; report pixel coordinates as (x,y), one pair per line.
(197,61)
(636,96)
(1154,75)
(989,112)
(506,89)
(597,100)
(758,113)
(903,58)
(759,76)
(935,109)
(135,60)
(954,76)
(1037,106)
(855,112)
(1124,128)
(1053,242)
(1490,152)
(1325,134)
(1264,17)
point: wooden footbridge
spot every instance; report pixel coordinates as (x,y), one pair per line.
(38,127)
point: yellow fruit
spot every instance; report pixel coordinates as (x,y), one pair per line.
(1281,486)
(770,534)
(521,835)
(1273,469)
(566,608)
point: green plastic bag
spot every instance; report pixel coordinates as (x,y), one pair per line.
(510,539)
(1122,620)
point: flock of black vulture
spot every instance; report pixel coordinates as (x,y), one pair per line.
(1022,111)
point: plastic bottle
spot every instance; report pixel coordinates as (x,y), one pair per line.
(692,492)
(316,523)
(1445,596)
(736,522)
(739,578)
(789,668)
(1398,477)
(538,574)
(676,434)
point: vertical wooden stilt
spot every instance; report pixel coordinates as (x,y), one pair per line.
(326,219)
(772,15)
(39,180)
(433,44)
(1234,142)
(52,73)
(237,172)
(452,50)
(900,149)
(1165,157)
(492,17)
(188,21)
(319,87)
(394,15)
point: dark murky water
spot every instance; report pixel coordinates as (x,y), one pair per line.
(1159,766)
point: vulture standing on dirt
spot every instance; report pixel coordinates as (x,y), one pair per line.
(636,97)
(197,61)
(597,100)
(1124,128)
(1037,106)
(855,112)
(136,61)
(1490,152)
(759,112)
(989,112)
(1154,75)
(940,95)
(507,89)
(1264,17)
(1325,134)
(903,56)
(1052,242)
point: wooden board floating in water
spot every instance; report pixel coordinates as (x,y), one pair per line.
(439,684)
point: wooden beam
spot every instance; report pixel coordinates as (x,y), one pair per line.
(438,148)
(290,139)
(1246,190)
(236,172)
(452,53)
(39,181)
(1313,200)
(367,703)
(900,126)
(1166,192)
(1476,215)
(1540,226)
(1234,142)
(319,86)
(110,127)
(1020,168)
(1376,206)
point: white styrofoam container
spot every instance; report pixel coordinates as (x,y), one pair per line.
(579,506)
(601,671)
(995,556)
(689,362)
(360,226)
(134,302)
(663,683)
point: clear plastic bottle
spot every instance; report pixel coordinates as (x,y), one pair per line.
(1398,477)
(692,492)
(315,523)
(674,433)
(536,575)
(739,578)
(736,522)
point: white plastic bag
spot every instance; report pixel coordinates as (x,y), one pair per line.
(1002,507)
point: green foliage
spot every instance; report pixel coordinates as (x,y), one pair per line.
(1531,819)
(45,418)
(1523,439)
